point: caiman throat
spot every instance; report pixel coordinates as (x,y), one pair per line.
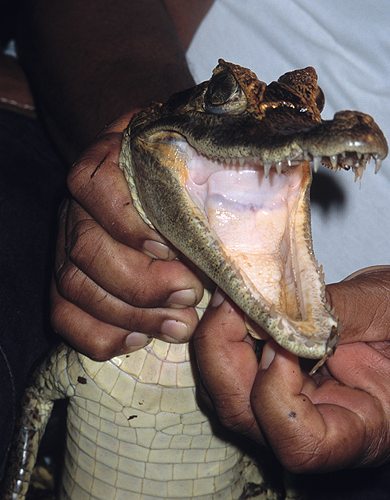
(223,171)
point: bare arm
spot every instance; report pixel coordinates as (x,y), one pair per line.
(88,62)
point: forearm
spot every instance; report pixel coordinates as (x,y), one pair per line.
(90,61)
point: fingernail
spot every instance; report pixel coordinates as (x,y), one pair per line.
(267,356)
(136,340)
(158,250)
(217,298)
(182,298)
(175,329)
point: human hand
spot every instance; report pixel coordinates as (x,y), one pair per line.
(117,282)
(338,418)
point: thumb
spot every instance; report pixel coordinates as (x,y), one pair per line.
(362,305)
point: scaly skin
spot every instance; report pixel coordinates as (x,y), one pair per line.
(134,431)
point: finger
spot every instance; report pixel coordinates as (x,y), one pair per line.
(99,185)
(101,340)
(123,272)
(227,366)
(89,299)
(168,324)
(361,366)
(311,429)
(98,340)
(367,270)
(362,305)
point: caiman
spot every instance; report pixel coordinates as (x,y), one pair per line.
(222,171)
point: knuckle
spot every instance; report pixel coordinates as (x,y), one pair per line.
(138,320)
(143,290)
(102,348)
(234,413)
(138,295)
(83,237)
(304,457)
(68,280)
(99,348)
(78,175)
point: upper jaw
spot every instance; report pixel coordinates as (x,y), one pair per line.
(348,141)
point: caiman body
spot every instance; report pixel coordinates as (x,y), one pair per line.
(223,171)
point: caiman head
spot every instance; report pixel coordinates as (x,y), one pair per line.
(223,171)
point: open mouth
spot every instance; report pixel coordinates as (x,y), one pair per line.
(259,213)
(252,212)
(223,171)
(258,218)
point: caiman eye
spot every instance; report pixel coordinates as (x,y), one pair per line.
(320,99)
(224,95)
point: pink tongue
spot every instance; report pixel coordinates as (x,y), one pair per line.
(247,211)
(247,189)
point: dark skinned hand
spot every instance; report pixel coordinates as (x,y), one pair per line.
(117,282)
(338,418)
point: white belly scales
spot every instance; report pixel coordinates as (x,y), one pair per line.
(135,430)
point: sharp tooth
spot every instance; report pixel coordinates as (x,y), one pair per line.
(333,161)
(316,163)
(267,168)
(322,291)
(321,272)
(289,162)
(278,167)
(241,161)
(358,171)
(378,164)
